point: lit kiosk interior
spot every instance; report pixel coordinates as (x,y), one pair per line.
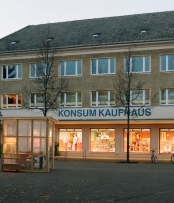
(28,144)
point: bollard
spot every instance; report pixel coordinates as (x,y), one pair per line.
(66,155)
(84,155)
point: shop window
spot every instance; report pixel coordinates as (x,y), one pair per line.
(12,72)
(24,128)
(39,129)
(140,97)
(167,63)
(102,66)
(102,140)
(167,97)
(39,136)
(102,98)
(71,99)
(139,140)
(9,137)
(140,64)
(70,68)
(167,140)
(39,70)
(70,140)
(11,101)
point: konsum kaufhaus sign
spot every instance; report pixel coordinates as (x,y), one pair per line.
(101,113)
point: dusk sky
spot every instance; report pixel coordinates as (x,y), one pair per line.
(17,14)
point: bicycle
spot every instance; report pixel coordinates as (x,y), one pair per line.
(172,158)
(154,158)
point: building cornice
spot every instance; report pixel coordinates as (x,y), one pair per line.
(93,50)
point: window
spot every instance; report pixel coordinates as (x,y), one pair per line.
(12,72)
(71,99)
(140,97)
(9,140)
(70,139)
(167,63)
(167,97)
(102,140)
(39,143)
(39,70)
(70,68)
(102,98)
(102,66)
(37,100)
(139,140)
(166,140)
(11,101)
(140,64)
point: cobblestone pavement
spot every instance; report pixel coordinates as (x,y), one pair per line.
(91,182)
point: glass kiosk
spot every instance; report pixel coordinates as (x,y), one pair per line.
(28,142)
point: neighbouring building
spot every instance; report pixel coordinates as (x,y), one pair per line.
(89,54)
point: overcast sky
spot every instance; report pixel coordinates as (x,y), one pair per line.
(16,14)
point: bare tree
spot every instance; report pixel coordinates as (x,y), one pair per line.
(42,92)
(129,87)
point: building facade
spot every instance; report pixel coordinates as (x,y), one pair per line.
(89,54)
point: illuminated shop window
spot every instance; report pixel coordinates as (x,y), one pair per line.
(102,140)
(167,140)
(139,140)
(167,63)
(9,141)
(139,64)
(102,98)
(103,66)
(24,139)
(70,68)
(12,100)
(70,140)
(167,97)
(11,72)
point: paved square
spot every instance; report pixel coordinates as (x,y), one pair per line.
(75,181)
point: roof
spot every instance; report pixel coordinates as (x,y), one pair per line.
(137,28)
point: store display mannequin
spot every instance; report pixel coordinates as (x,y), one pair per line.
(79,146)
(74,145)
(65,141)
(137,141)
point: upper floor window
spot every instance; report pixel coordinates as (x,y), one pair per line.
(139,64)
(102,66)
(11,100)
(71,99)
(37,100)
(167,97)
(39,70)
(140,97)
(70,68)
(11,72)
(167,63)
(102,98)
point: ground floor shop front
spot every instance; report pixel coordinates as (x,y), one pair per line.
(102,132)
(110,140)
